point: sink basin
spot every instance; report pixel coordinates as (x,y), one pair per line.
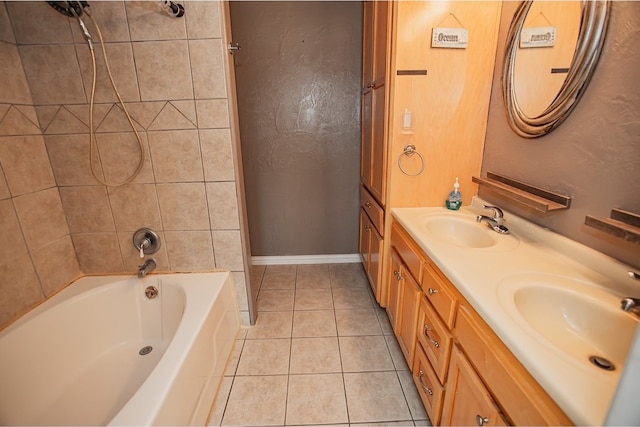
(579,319)
(460,231)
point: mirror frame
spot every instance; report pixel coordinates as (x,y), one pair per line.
(593,28)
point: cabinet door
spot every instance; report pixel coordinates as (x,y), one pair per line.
(367,44)
(365,239)
(394,291)
(367,129)
(407,339)
(382,9)
(467,402)
(378,146)
(375,258)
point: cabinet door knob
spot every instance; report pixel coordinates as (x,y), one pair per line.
(427,389)
(436,344)
(367,204)
(397,274)
(432,291)
(367,228)
(480,420)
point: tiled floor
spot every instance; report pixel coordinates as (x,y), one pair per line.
(321,353)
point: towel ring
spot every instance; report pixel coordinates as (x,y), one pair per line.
(409,151)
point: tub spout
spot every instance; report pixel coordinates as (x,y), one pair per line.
(146,268)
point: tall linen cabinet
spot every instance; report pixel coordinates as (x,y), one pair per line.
(424,112)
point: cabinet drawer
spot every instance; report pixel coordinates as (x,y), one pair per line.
(430,391)
(434,338)
(525,401)
(373,209)
(440,293)
(407,249)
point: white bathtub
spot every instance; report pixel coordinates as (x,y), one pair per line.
(74,360)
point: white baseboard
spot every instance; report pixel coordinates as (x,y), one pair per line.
(305,259)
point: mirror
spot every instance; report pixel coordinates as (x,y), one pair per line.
(552,50)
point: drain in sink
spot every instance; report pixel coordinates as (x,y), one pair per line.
(145,350)
(602,363)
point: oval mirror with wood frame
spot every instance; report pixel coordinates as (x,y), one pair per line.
(548,41)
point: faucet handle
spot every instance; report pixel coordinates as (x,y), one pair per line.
(497,212)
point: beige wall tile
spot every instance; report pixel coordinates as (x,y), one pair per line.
(64,122)
(316,399)
(111,18)
(131,255)
(42,217)
(171,118)
(217,155)
(83,111)
(183,206)
(13,85)
(19,287)
(4,189)
(148,22)
(38,23)
(56,265)
(98,253)
(15,122)
(116,121)
(26,164)
(228,249)
(240,284)
(135,206)
(176,156)
(145,113)
(207,68)
(203,19)
(163,70)
(6,31)
(120,57)
(53,74)
(11,238)
(120,157)
(69,155)
(189,250)
(187,108)
(87,209)
(212,113)
(223,205)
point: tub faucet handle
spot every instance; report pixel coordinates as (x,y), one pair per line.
(143,245)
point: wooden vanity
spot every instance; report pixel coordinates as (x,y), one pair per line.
(465,375)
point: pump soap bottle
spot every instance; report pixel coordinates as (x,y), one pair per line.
(454,201)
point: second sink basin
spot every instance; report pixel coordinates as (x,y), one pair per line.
(579,319)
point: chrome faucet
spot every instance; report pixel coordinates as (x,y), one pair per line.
(631,305)
(496,223)
(146,268)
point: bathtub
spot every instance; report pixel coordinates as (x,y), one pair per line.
(101,353)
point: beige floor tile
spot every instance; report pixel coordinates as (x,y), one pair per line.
(385,324)
(220,403)
(256,401)
(276,300)
(257,273)
(351,277)
(313,277)
(411,394)
(316,399)
(368,353)
(279,277)
(357,322)
(313,299)
(314,323)
(344,298)
(375,396)
(232,365)
(397,355)
(315,356)
(264,357)
(385,424)
(271,324)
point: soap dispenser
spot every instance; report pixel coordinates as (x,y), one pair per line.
(454,201)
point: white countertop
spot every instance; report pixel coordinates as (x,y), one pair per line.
(583,391)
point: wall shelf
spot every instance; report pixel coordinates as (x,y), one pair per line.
(622,224)
(533,197)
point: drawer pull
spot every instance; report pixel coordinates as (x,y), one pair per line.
(427,389)
(397,274)
(367,204)
(480,420)
(432,291)
(436,344)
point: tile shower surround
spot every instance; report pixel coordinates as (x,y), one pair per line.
(331,360)
(56,221)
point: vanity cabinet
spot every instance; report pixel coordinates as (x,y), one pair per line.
(465,375)
(446,90)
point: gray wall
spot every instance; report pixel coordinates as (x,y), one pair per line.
(594,155)
(298,83)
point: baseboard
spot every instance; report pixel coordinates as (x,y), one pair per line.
(305,259)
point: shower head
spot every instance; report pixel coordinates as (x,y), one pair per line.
(69,8)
